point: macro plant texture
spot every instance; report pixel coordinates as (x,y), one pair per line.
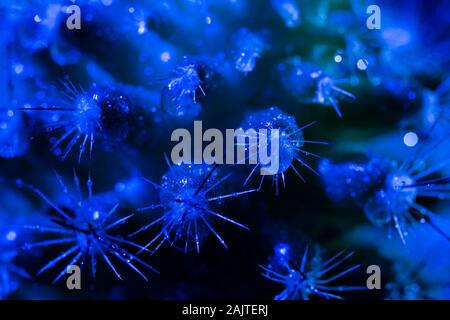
(92,90)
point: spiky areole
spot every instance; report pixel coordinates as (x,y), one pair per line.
(311,84)
(249,47)
(86,225)
(388,192)
(102,115)
(188,196)
(179,97)
(291,142)
(306,278)
(409,283)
